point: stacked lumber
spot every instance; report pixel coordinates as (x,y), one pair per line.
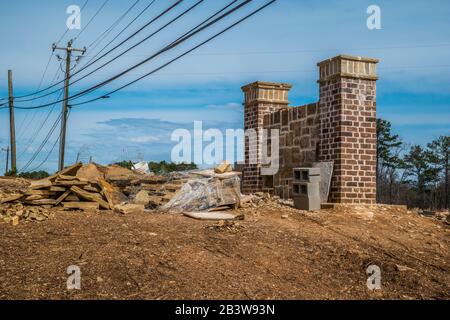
(69,190)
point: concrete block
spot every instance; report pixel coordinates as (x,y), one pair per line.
(307,175)
(307,203)
(306,189)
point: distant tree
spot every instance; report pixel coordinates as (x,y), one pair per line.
(439,155)
(125,164)
(34,175)
(164,167)
(420,172)
(389,146)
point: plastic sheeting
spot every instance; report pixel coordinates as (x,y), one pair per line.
(141,167)
(203,194)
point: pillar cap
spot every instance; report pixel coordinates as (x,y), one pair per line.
(267,85)
(347,66)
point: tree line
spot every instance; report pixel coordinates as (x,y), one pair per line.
(415,175)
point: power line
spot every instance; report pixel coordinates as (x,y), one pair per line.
(35,135)
(122,31)
(67,30)
(127,50)
(63,35)
(89,22)
(111,27)
(175,43)
(50,152)
(52,129)
(39,86)
(105,54)
(196,47)
(179,57)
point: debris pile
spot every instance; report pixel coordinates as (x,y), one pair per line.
(75,187)
(151,191)
(262,199)
(13,213)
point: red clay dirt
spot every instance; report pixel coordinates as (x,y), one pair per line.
(277,252)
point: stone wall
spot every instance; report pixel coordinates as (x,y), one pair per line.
(340,127)
(299,129)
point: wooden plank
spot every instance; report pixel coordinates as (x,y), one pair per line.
(95,197)
(11,198)
(81,205)
(62,197)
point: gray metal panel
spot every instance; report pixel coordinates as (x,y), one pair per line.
(326,172)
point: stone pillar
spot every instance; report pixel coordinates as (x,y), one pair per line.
(261,98)
(348,126)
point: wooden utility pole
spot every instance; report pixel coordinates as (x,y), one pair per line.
(62,137)
(11,122)
(7,159)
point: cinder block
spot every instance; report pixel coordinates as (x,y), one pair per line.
(307,203)
(306,189)
(307,175)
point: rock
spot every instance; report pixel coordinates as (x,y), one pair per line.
(129,208)
(11,198)
(15,221)
(224,167)
(404,268)
(142,197)
(89,172)
(40,184)
(284,216)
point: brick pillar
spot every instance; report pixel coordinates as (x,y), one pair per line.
(348,126)
(260,98)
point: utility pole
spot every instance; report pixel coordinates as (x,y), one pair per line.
(11,122)
(7,158)
(62,137)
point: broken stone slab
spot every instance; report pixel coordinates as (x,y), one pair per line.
(69,171)
(39,192)
(212,215)
(89,172)
(40,184)
(404,268)
(70,183)
(112,195)
(11,198)
(33,197)
(129,208)
(224,167)
(93,197)
(85,206)
(43,202)
(142,197)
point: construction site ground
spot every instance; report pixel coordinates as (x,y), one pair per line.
(276,252)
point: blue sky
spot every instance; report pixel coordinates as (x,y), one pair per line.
(283,43)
